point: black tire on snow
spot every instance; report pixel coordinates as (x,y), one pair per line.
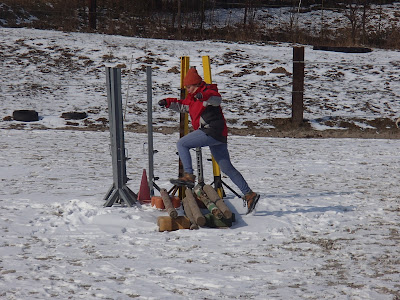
(74,115)
(344,49)
(25,115)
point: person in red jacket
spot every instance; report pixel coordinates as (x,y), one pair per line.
(203,105)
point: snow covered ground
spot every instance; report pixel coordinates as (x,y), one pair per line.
(326,227)
(54,72)
(327,224)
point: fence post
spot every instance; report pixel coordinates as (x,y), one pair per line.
(92,14)
(298,85)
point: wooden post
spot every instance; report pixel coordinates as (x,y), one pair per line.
(298,85)
(214,197)
(189,214)
(92,14)
(194,208)
(169,224)
(168,204)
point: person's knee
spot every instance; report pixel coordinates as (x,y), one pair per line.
(225,166)
(179,144)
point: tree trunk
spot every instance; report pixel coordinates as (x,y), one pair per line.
(92,14)
(202,16)
(179,16)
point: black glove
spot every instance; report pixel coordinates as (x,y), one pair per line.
(163,103)
(198,96)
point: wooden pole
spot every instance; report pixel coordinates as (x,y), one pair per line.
(214,197)
(191,202)
(168,204)
(298,85)
(189,214)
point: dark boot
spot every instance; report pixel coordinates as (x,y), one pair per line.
(186,180)
(250,200)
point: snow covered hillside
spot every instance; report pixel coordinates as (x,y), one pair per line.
(54,72)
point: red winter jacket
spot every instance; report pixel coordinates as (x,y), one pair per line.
(204,109)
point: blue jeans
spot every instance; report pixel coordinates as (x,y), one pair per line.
(219,151)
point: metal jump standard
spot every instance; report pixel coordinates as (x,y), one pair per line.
(118,192)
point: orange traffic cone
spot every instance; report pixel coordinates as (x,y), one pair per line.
(144,191)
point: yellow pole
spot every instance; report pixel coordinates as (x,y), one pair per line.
(184,118)
(207,69)
(216,169)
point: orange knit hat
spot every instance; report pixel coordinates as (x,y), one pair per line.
(192,77)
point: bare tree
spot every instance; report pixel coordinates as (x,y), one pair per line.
(179,16)
(365,19)
(357,14)
(202,15)
(249,12)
